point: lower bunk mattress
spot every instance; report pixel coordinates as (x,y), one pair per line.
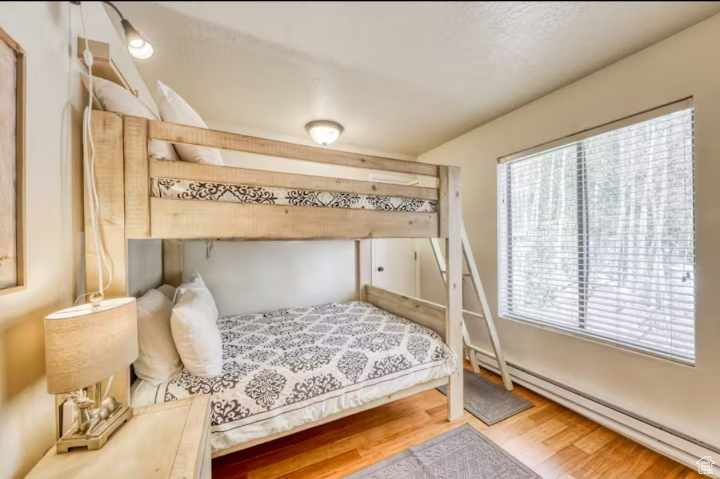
(290,367)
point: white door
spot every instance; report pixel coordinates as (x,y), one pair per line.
(395,264)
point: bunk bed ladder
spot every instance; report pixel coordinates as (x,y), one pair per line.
(474,276)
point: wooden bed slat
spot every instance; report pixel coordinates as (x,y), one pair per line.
(198,219)
(425,313)
(107,131)
(251,144)
(137,185)
(233,175)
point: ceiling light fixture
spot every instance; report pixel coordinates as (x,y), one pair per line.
(324,132)
(137,45)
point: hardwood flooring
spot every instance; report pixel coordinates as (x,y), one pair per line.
(550,439)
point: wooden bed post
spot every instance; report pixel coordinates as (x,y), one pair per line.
(107,133)
(136,171)
(451,224)
(172,262)
(363,267)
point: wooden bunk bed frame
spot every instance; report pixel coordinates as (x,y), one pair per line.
(123,173)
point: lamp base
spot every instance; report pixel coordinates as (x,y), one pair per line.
(99,436)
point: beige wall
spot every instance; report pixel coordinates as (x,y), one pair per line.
(252,276)
(144,266)
(47,31)
(681,397)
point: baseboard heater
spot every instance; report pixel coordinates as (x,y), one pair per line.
(661,439)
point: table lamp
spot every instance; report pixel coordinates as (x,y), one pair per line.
(85,345)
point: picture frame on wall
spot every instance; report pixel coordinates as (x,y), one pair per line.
(12,165)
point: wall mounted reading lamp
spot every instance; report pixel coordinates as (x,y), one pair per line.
(138,46)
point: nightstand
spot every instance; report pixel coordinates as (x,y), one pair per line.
(169,440)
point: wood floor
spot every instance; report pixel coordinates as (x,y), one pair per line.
(550,439)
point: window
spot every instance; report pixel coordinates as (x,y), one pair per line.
(596,233)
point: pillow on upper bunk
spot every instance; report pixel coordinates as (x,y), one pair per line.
(194,329)
(175,109)
(113,97)
(158,360)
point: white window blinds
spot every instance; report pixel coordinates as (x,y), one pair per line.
(596,234)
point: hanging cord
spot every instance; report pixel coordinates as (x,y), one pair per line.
(102,258)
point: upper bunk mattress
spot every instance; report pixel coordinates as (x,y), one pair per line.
(290,367)
(182,189)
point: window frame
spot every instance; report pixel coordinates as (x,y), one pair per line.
(578,137)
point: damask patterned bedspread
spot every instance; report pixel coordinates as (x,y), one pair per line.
(181,189)
(289,367)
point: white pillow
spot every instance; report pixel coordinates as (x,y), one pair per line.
(158,360)
(113,97)
(175,109)
(168,290)
(195,331)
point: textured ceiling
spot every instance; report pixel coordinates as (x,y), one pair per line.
(402,77)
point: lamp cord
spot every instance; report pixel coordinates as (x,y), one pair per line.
(103,260)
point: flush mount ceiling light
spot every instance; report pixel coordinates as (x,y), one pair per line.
(324,132)
(137,45)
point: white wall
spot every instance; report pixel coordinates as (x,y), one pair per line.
(253,276)
(47,32)
(680,397)
(144,266)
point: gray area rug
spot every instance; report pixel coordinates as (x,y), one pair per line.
(462,453)
(487,401)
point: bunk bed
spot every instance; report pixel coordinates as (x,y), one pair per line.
(143,198)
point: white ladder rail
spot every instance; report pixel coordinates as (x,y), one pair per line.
(487,313)
(482,297)
(440,261)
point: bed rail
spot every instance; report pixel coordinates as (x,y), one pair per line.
(428,314)
(175,133)
(153,207)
